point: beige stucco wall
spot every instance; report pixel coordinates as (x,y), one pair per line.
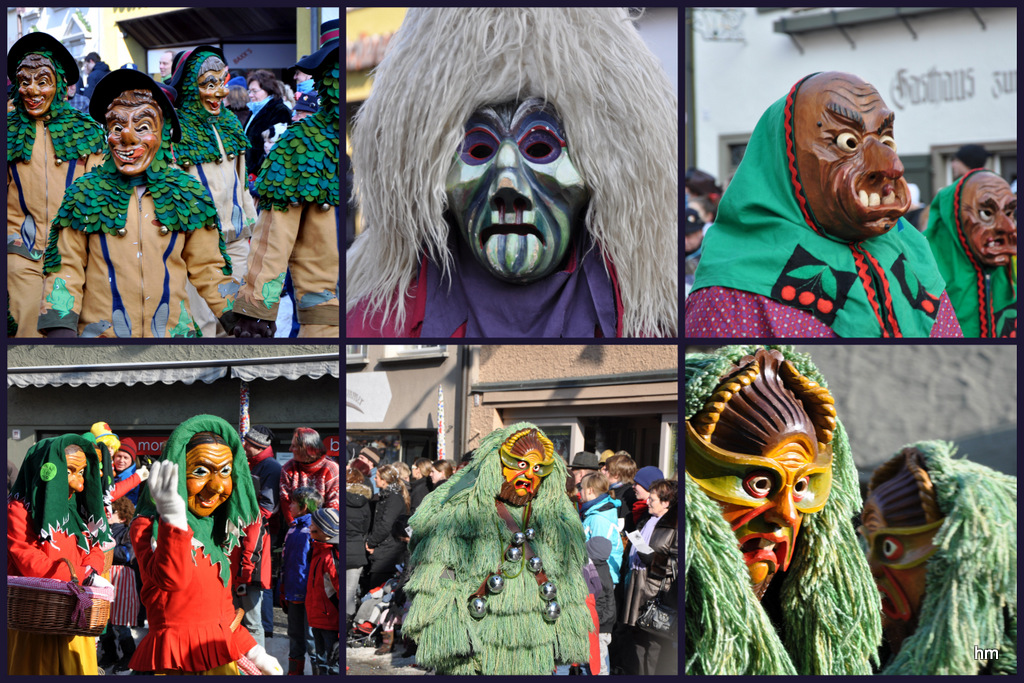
(516,362)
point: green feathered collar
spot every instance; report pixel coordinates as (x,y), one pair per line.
(971,582)
(831,615)
(303,165)
(98,202)
(74,134)
(198,144)
(219,533)
(42,485)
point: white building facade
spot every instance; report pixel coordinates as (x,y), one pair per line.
(950,76)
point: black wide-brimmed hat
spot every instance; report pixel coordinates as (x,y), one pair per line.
(116,82)
(178,75)
(36,42)
(329,44)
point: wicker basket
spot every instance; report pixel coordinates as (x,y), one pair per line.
(63,608)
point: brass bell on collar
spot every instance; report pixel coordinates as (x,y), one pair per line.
(325,207)
(294,205)
(163,230)
(121,232)
(231,157)
(59,161)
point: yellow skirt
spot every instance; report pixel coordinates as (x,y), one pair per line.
(229,669)
(39,654)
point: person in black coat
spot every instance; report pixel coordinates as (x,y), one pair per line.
(385,550)
(95,69)
(268,108)
(418,487)
(357,525)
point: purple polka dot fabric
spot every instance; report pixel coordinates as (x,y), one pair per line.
(726,312)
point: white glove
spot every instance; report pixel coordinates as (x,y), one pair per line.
(143,473)
(163,487)
(97,581)
(264,662)
(328,586)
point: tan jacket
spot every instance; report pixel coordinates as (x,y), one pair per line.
(38,186)
(304,239)
(226,182)
(34,192)
(133,286)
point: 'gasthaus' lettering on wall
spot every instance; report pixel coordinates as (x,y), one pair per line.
(932,87)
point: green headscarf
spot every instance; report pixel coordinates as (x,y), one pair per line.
(42,485)
(220,532)
(831,620)
(74,133)
(458,539)
(971,582)
(198,145)
(761,242)
(985,299)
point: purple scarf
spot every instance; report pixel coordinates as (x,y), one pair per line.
(570,303)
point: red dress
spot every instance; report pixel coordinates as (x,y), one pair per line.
(188,608)
(29,555)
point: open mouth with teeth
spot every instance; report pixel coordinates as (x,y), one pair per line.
(523,229)
(767,548)
(999,248)
(34,103)
(130,156)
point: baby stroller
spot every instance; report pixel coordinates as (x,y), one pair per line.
(371,614)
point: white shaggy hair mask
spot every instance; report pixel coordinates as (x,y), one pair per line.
(620,116)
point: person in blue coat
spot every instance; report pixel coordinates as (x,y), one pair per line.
(600,514)
(294,577)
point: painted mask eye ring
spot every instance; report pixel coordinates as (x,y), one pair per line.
(541,145)
(892,548)
(478,146)
(801,487)
(758,484)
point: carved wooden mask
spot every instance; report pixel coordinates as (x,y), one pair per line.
(762,448)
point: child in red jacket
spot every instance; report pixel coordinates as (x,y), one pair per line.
(322,590)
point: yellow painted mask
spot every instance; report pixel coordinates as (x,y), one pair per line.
(526,458)
(762,448)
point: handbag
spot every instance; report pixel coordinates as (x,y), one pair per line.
(656,617)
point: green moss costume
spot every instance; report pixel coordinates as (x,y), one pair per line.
(831,620)
(971,582)
(303,165)
(984,298)
(221,531)
(74,134)
(42,485)
(763,243)
(458,539)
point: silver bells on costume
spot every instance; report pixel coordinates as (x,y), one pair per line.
(514,554)
(552,611)
(548,591)
(530,534)
(534,564)
(518,538)
(478,607)
(495,583)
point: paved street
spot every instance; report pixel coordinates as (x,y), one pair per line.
(361,661)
